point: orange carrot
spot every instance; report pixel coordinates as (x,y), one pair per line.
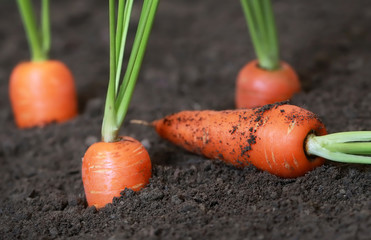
(270,138)
(41,93)
(285,140)
(109,168)
(117,162)
(257,87)
(41,90)
(266,80)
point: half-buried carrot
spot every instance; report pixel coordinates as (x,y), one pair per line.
(109,168)
(284,140)
(117,163)
(41,91)
(266,80)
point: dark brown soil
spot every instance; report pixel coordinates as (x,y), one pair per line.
(195,51)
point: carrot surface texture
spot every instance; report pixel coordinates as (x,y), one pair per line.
(41,91)
(265,80)
(285,140)
(116,163)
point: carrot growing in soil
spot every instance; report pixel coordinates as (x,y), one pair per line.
(41,90)
(117,163)
(285,140)
(265,80)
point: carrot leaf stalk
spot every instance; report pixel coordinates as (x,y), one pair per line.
(347,147)
(120,91)
(38,36)
(262,28)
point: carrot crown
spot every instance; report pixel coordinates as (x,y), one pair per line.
(38,36)
(347,147)
(119,91)
(263,33)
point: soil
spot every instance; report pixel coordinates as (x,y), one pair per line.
(195,52)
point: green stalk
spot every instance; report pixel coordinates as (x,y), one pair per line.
(119,28)
(253,29)
(272,38)
(45,27)
(38,40)
(122,31)
(262,28)
(347,147)
(136,58)
(118,99)
(109,126)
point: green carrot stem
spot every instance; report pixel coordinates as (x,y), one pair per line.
(341,137)
(32,30)
(134,53)
(122,30)
(109,125)
(358,148)
(337,147)
(272,38)
(252,29)
(118,98)
(262,28)
(45,27)
(136,58)
(119,27)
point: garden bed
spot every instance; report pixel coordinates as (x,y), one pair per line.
(194,53)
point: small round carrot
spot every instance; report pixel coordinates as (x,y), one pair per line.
(117,162)
(256,86)
(41,93)
(42,90)
(265,80)
(110,167)
(281,139)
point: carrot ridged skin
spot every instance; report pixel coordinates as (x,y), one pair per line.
(110,167)
(272,138)
(41,93)
(256,87)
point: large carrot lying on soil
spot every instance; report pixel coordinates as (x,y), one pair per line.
(117,163)
(41,90)
(284,140)
(266,80)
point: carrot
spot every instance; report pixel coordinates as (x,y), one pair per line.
(256,86)
(117,163)
(265,80)
(41,91)
(109,168)
(284,140)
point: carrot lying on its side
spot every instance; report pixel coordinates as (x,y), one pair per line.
(42,92)
(110,167)
(270,138)
(284,140)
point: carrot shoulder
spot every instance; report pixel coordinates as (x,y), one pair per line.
(42,92)
(270,138)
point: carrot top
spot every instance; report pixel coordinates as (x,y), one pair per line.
(38,36)
(262,28)
(119,91)
(346,147)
